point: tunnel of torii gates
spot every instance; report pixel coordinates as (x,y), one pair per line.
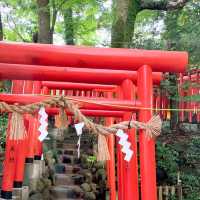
(130,73)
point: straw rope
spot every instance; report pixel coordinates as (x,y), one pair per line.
(152,127)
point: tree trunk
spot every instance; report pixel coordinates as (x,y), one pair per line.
(174,102)
(68,26)
(125,12)
(172,36)
(44,30)
(1,28)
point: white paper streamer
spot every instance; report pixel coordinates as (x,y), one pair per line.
(125,145)
(43,124)
(79,131)
(129,154)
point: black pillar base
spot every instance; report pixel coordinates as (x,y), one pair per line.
(37,157)
(17,184)
(6,194)
(29,160)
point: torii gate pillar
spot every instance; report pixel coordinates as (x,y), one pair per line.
(147,145)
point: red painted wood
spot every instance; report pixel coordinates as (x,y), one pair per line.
(79,75)
(37,85)
(21,144)
(107,58)
(130,169)
(102,103)
(79,86)
(28,89)
(13,169)
(147,146)
(9,163)
(120,176)
(111,162)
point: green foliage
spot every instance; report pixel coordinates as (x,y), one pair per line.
(169,85)
(3,127)
(91,160)
(19,19)
(87,19)
(183,158)
(195,98)
(3,120)
(167,159)
(183,30)
(149,26)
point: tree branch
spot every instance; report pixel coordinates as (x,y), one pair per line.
(15,29)
(163,5)
(55,13)
(1,28)
(54,17)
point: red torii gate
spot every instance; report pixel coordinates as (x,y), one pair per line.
(102,58)
(69,74)
(123,59)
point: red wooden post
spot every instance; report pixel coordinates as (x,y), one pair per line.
(11,152)
(147,146)
(45,90)
(130,168)
(120,176)
(21,145)
(28,89)
(8,166)
(38,145)
(111,162)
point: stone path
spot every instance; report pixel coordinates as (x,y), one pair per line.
(68,180)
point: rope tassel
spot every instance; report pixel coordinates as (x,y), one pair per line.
(17,128)
(103,152)
(61,119)
(154,126)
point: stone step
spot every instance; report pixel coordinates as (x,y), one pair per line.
(85,141)
(66,168)
(69,179)
(73,151)
(63,179)
(69,146)
(69,151)
(75,138)
(70,159)
(72,168)
(60,168)
(63,192)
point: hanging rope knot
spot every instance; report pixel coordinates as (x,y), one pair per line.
(153,126)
